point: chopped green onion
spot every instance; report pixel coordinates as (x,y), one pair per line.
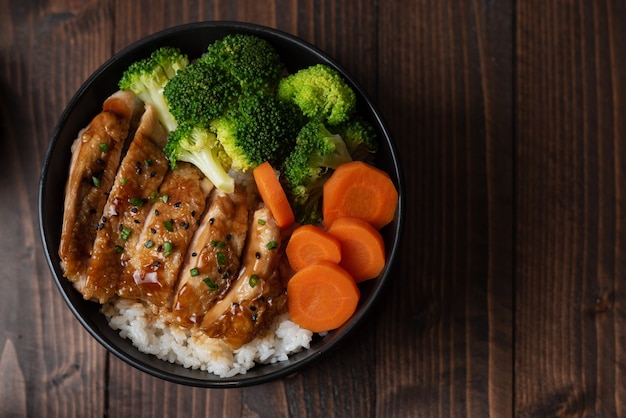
(165,198)
(254,280)
(210,283)
(104,147)
(194,272)
(149,244)
(261,222)
(167,248)
(96,181)
(218,244)
(168,225)
(221,258)
(153,196)
(149,163)
(272,245)
(125,233)
(136,201)
(124,181)
(119,248)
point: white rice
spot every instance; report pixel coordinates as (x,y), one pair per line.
(191,348)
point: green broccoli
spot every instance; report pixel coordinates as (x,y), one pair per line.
(147,78)
(200,93)
(360,138)
(320,92)
(251,60)
(199,146)
(257,128)
(316,154)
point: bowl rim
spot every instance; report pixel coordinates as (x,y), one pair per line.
(286,368)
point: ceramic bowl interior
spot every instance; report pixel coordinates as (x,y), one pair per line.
(193,40)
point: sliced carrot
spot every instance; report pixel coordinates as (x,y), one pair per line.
(359,190)
(273,194)
(322,296)
(309,244)
(362,248)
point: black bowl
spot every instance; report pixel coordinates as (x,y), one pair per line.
(193,39)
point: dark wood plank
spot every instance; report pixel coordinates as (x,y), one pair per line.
(480,126)
(444,341)
(570,301)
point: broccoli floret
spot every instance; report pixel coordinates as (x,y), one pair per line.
(257,128)
(147,78)
(360,138)
(320,92)
(316,154)
(200,93)
(252,61)
(199,146)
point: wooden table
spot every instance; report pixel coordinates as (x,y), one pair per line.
(509,296)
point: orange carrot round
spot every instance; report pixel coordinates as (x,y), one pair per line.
(322,296)
(359,190)
(362,248)
(309,244)
(273,195)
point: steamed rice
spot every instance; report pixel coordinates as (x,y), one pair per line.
(152,333)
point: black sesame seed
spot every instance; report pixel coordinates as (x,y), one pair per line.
(156,212)
(119,228)
(153,230)
(193,213)
(228,237)
(254,317)
(104,219)
(219,269)
(100,161)
(194,254)
(257,255)
(211,220)
(160,248)
(134,209)
(253,308)
(137,221)
(156,263)
(177,204)
(152,173)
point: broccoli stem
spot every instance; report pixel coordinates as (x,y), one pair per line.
(211,167)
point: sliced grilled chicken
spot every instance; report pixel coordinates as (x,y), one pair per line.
(95,158)
(135,186)
(213,258)
(155,260)
(257,295)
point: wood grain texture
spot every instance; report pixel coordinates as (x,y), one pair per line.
(446,90)
(509,296)
(570,338)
